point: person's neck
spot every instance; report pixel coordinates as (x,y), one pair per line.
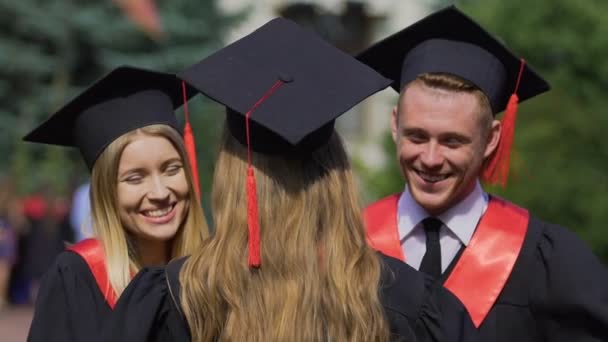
(153,253)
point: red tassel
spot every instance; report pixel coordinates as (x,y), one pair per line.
(496,170)
(255,259)
(191,151)
(190,145)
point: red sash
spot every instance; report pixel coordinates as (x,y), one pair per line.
(381,221)
(487,261)
(92,252)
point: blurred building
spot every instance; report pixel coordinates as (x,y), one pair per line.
(352,26)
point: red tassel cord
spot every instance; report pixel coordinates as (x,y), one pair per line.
(254,259)
(190,145)
(496,170)
(253,224)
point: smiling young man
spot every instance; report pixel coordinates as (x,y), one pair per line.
(521,279)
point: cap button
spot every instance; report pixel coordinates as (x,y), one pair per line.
(285,77)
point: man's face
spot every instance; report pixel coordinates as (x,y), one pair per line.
(440,144)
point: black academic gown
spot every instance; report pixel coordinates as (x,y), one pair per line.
(557,291)
(69,307)
(415,307)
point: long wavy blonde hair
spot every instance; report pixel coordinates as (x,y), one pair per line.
(121,256)
(319,280)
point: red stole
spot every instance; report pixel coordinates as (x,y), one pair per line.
(92,252)
(486,262)
(381,224)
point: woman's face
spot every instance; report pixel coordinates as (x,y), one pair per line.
(153,193)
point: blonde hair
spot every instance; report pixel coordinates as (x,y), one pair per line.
(455,83)
(121,257)
(318,281)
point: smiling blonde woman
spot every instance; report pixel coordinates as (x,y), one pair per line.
(145,210)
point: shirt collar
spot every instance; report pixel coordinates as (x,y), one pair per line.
(461,219)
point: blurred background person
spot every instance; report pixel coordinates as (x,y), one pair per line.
(80,212)
(11,223)
(47,232)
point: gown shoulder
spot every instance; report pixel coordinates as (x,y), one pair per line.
(69,305)
(148,309)
(569,288)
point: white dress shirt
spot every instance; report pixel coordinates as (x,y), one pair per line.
(460,220)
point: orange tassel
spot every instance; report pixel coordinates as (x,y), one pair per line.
(255,259)
(190,145)
(497,169)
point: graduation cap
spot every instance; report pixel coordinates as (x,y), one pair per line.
(125,99)
(448,41)
(318,84)
(283,87)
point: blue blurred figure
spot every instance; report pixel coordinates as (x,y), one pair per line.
(80,213)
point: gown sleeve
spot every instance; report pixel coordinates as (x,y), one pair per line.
(569,294)
(146,312)
(69,305)
(420,309)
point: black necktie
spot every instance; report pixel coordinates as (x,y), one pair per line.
(431,262)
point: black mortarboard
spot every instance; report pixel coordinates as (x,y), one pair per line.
(318,84)
(125,99)
(450,42)
(283,87)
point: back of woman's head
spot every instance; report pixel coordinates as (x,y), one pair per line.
(121,255)
(318,279)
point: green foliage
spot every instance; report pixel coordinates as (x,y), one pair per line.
(51,50)
(560,163)
(378,183)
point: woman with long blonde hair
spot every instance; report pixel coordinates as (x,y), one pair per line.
(289,259)
(317,280)
(144,203)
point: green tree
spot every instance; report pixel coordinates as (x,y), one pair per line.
(560,163)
